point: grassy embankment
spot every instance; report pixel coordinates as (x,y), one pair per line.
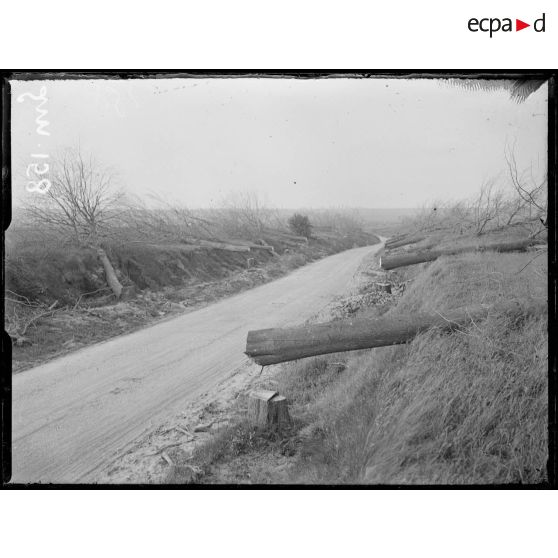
(57,299)
(466,407)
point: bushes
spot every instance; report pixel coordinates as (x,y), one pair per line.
(300,225)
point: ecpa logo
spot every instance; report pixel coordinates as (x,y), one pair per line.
(492,25)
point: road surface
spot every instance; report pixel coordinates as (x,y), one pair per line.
(74,415)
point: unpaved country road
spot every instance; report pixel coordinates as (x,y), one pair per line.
(74,415)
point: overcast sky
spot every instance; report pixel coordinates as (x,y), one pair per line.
(297,143)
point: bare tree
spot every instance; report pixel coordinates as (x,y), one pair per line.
(82,203)
(164,221)
(487,207)
(514,209)
(244,214)
(459,216)
(431,216)
(530,193)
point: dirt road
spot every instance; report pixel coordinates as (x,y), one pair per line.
(73,415)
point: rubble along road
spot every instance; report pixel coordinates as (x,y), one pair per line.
(73,416)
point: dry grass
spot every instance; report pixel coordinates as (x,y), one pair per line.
(252,456)
(475,278)
(461,408)
(470,407)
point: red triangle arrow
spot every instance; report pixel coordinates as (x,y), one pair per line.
(519,25)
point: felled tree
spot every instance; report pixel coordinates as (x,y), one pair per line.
(488,206)
(82,203)
(530,193)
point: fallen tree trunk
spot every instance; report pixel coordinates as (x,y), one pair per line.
(110,274)
(398,238)
(395,239)
(213,245)
(392,262)
(272,346)
(267,247)
(404,242)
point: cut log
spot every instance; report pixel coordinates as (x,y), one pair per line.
(230,246)
(404,242)
(395,239)
(222,246)
(272,346)
(268,409)
(110,274)
(267,247)
(392,262)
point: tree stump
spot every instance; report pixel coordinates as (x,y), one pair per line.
(268,409)
(385,287)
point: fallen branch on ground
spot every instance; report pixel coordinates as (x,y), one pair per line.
(17,325)
(90,293)
(539,253)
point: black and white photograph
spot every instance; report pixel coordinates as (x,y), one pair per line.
(270,279)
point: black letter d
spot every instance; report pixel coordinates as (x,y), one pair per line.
(535,25)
